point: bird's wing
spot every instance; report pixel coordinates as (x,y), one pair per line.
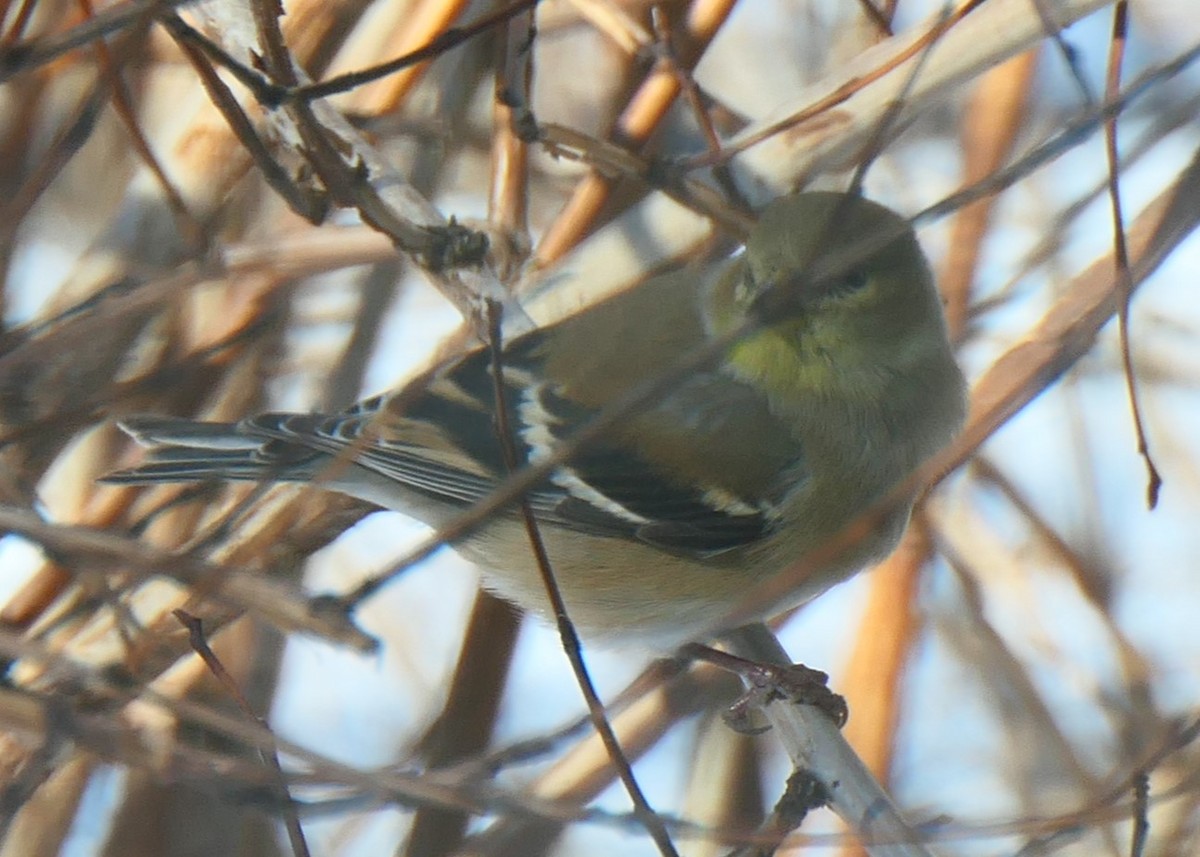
(612,488)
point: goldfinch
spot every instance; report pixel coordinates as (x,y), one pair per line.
(842,383)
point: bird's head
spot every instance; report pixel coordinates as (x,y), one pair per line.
(834,294)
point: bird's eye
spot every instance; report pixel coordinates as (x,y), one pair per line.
(851,282)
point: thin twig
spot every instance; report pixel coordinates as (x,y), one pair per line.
(566,628)
(268,752)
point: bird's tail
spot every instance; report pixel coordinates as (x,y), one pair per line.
(182,450)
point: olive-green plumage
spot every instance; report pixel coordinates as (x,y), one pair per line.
(841,383)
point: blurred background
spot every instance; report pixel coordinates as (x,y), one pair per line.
(180,238)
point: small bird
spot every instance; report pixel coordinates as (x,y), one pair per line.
(842,382)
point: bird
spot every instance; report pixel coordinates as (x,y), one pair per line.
(838,379)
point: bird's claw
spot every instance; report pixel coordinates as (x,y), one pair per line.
(797,683)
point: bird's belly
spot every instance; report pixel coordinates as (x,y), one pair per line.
(619,590)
